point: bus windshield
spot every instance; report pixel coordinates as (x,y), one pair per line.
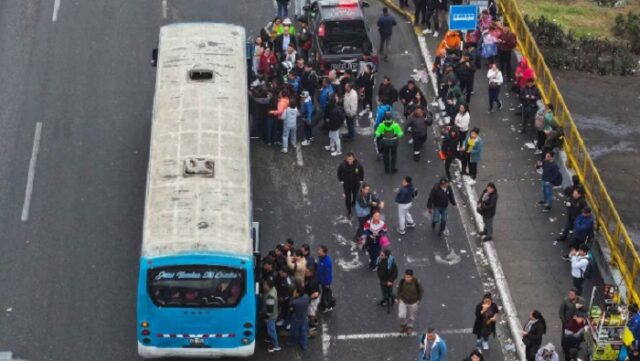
(196,286)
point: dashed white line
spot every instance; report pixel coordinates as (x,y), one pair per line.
(32,172)
(299,159)
(165,7)
(326,341)
(56,8)
(305,192)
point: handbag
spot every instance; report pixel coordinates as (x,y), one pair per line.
(384,241)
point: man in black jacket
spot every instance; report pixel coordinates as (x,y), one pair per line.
(336,119)
(387,93)
(529,96)
(419,122)
(387,274)
(575,204)
(310,80)
(350,175)
(439,198)
(465,72)
(407,93)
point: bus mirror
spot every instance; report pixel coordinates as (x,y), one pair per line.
(154,57)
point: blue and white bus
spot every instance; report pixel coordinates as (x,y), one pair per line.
(196,288)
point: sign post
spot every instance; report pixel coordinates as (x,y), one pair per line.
(463,17)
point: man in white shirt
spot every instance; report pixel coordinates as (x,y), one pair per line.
(579,264)
(350,102)
(494,75)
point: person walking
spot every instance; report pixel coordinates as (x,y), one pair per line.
(432,347)
(487,204)
(575,203)
(419,121)
(299,318)
(270,312)
(289,121)
(325,278)
(494,75)
(387,93)
(350,102)
(532,333)
(404,199)
(485,323)
(388,134)
(351,176)
(449,148)
(471,152)
(387,274)
(439,198)
(386,22)
(336,119)
(306,112)
(431,14)
(579,263)
(410,294)
(570,305)
(374,230)
(551,177)
(366,203)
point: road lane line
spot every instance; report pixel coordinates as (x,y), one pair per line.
(164,9)
(299,159)
(326,341)
(374,336)
(305,192)
(32,172)
(56,8)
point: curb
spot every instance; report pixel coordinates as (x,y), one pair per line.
(510,311)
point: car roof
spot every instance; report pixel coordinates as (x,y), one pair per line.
(340,9)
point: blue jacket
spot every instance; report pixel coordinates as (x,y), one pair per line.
(325,95)
(295,83)
(634,326)
(476,151)
(550,171)
(385,25)
(582,226)
(438,352)
(382,109)
(405,195)
(325,270)
(306,111)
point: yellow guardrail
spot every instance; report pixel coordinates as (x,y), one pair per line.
(623,252)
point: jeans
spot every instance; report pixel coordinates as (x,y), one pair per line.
(547,192)
(407,313)
(488,226)
(374,248)
(273,334)
(385,46)
(288,130)
(271,129)
(334,140)
(361,222)
(308,131)
(300,333)
(283,9)
(439,216)
(494,96)
(390,153)
(351,127)
(404,217)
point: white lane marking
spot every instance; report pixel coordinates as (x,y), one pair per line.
(326,341)
(56,8)
(165,7)
(299,159)
(32,172)
(354,262)
(374,336)
(305,192)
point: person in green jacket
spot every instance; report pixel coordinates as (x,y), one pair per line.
(387,135)
(543,123)
(270,311)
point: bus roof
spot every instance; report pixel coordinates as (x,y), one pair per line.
(198,183)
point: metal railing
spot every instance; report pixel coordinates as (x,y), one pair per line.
(623,252)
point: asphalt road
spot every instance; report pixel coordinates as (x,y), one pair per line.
(68,266)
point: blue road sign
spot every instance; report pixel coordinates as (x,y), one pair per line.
(463,17)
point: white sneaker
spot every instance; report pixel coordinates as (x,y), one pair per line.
(305,143)
(436,34)
(485,345)
(401,231)
(427,31)
(336,153)
(472,181)
(284,150)
(410,141)
(328,147)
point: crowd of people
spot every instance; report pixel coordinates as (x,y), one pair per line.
(287,89)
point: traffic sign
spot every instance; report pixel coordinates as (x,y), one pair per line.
(463,17)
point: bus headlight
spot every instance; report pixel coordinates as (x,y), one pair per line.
(245,341)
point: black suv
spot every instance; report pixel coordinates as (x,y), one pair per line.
(340,35)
